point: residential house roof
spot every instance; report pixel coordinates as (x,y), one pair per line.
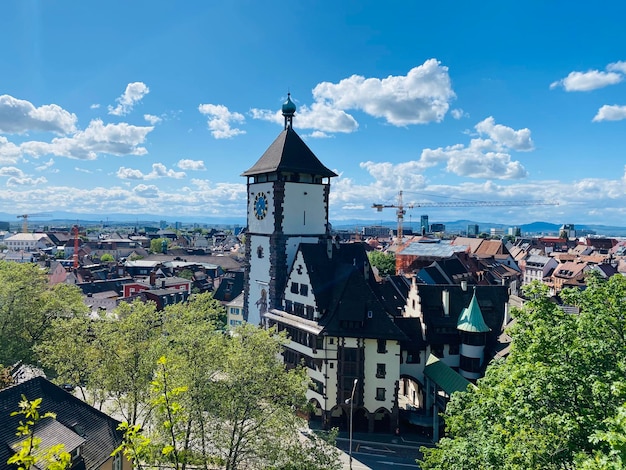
(76,422)
(289,154)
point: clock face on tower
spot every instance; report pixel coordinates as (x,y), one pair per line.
(260,206)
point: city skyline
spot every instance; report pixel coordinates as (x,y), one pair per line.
(157,108)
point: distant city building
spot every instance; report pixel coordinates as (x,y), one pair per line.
(5,226)
(496,232)
(437,228)
(473,230)
(424,228)
(567,231)
(376,231)
(514,232)
(162,224)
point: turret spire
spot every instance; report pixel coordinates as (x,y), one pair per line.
(289,108)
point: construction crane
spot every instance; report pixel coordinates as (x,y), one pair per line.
(401,207)
(25,221)
(75,255)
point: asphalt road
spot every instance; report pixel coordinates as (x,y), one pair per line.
(368,455)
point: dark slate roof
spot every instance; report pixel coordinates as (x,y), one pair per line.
(231,285)
(441,329)
(345,292)
(289,153)
(412,328)
(75,418)
(394,291)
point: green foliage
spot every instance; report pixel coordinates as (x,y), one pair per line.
(612,441)
(156,245)
(28,454)
(384,262)
(28,305)
(107,258)
(562,383)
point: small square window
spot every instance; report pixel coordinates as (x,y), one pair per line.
(304,290)
(380,394)
(295,287)
(381,370)
(382,346)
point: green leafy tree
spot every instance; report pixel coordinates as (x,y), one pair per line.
(70,349)
(384,262)
(29,454)
(28,305)
(126,354)
(156,245)
(254,398)
(565,376)
(107,258)
(613,440)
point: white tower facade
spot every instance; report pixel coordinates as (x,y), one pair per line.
(288,190)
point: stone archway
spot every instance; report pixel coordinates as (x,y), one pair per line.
(382,420)
(316,414)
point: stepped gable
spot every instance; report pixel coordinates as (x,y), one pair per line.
(289,154)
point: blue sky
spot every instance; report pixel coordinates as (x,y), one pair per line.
(158,107)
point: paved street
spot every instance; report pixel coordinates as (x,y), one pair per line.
(380,451)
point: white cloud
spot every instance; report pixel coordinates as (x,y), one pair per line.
(152,119)
(619,66)
(20,116)
(610,113)
(45,166)
(475,162)
(458,113)
(319,116)
(158,171)
(134,93)
(98,138)
(319,135)
(11,171)
(422,96)
(517,140)
(83,170)
(590,80)
(220,120)
(194,165)
(401,175)
(26,181)
(146,191)
(95,106)
(9,152)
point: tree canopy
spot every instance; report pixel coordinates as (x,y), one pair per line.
(28,305)
(551,403)
(384,262)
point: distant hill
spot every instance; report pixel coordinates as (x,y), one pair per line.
(67,219)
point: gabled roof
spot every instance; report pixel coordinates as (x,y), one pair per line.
(75,420)
(289,153)
(346,293)
(471,318)
(444,376)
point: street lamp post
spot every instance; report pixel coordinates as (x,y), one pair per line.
(351,400)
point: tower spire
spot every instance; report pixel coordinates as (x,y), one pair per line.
(289,108)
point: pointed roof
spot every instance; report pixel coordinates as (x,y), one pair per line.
(471,319)
(289,153)
(345,295)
